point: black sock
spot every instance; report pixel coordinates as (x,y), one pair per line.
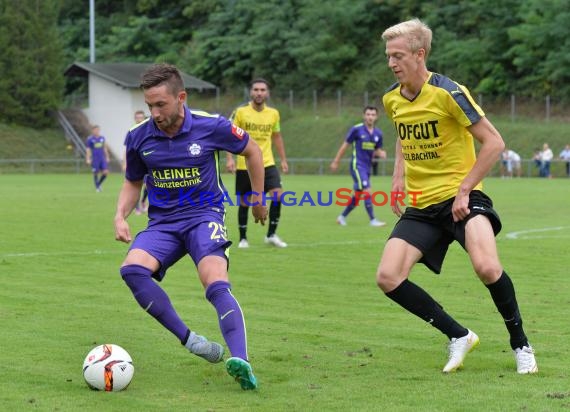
(96,180)
(503,294)
(103,177)
(274,215)
(242,221)
(417,301)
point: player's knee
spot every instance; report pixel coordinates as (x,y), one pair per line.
(135,276)
(488,271)
(384,279)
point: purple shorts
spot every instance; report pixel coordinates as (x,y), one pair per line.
(99,165)
(169,242)
(361,178)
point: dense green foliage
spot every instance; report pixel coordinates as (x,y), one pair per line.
(31,61)
(495,48)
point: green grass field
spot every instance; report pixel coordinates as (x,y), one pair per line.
(322,337)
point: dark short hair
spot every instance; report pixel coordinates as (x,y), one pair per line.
(162,73)
(370,108)
(259,80)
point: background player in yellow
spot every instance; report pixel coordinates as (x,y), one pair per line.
(436,120)
(262,124)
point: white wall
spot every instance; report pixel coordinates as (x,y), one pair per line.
(112,107)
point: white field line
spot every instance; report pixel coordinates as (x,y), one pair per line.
(538,233)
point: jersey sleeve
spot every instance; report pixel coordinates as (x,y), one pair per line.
(351,135)
(229,136)
(277,123)
(136,169)
(464,108)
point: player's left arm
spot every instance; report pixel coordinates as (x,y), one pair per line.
(380,153)
(256,171)
(492,145)
(107,154)
(280,146)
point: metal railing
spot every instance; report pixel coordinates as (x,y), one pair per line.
(71,135)
(308,166)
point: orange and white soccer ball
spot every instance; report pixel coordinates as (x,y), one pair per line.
(108,368)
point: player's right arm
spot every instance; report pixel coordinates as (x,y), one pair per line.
(339,154)
(128,198)
(398,184)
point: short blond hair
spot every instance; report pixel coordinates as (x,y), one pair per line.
(417,33)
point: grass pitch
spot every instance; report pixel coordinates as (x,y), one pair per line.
(322,337)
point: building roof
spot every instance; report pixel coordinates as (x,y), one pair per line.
(128,74)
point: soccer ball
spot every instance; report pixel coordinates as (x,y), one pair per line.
(108,368)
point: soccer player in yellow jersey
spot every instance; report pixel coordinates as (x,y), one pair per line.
(262,124)
(436,120)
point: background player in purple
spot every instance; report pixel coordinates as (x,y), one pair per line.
(97,156)
(178,149)
(366,141)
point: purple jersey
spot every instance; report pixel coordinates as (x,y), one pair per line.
(183,179)
(97,146)
(363,145)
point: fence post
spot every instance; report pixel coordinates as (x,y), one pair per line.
(547,108)
(513,107)
(291,99)
(366,98)
(339,102)
(315,102)
(480,100)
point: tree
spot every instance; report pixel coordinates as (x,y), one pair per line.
(31,61)
(540,49)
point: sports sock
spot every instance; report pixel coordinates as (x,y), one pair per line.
(503,294)
(230,317)
(103,177)
(95,180)
(153,299)
(274,215)
(350,207)
(242,221)
(417,301)
(369,207)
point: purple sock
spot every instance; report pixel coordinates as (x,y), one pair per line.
(230,317)
(369,208)
(350,207)
(153,299)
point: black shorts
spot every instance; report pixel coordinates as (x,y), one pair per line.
(432,229)
(272,180)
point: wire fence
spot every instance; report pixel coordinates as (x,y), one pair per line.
(339,102)
(297,166)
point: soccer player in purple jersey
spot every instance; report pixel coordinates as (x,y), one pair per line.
(97,157)
(366,141)
(178,149)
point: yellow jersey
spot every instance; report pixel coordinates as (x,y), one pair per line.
(438,149)
(260,126)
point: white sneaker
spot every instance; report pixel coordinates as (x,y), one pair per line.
(275,241)
(377,223)
(243,244)
(458,349)
(526,363)
(341,220)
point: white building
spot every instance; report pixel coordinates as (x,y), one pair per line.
(114,96)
